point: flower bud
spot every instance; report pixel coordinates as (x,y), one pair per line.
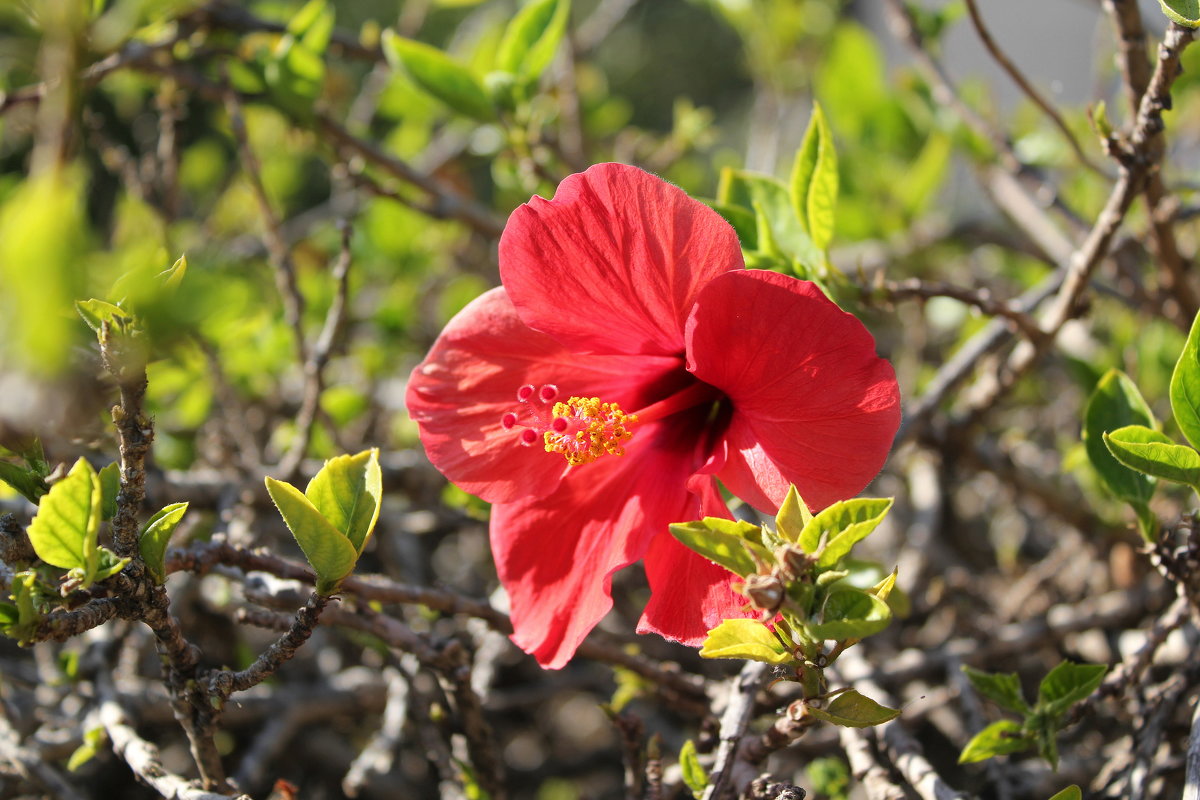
(765,592)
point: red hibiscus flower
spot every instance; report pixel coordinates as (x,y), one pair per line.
(628,362)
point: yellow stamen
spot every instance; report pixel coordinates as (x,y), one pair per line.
(588,430)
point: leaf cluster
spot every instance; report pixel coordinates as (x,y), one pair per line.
(1063,687)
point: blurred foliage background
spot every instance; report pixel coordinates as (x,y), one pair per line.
(281,145)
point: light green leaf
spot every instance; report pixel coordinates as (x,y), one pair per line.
(745,638)
(770,198)
(97,312)
(1185,12)
(1072,792)
(155,535)
(313,25)
(329,552)
(853,710)
(1116,403)
(1004,689)
(348,491)
(68,519)
(718,540)
(172,277)
(93,740)
(850,613)
(532,38)
(26,481)
(107,564)
(1185,384)
(842,525)
(23,586)
(439,75)
(814,186)
(1067,684)
(1153,453)
(743,221)
(694,774)
(793,516)
(998,739)
(110,487)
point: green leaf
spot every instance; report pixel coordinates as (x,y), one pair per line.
(532,38)
(1003,689)
(743,221)
(1072,792)
(814,186)
(693,771)
(440,76)
(24,585)
(93,740)
(26,481)
(793,516)
(348,491)
(1185,12)
(155,535)
(998,739)
(110,487)
(853,710)
(718,540)
(1067,684)
(1153,453)
(172,277)
(331,555)
(745,638)
(1185,384)
(1116,403)
(842,525)
(107,564)
(850,613)
(778,225)
(97,312)
(68,519)
(295,72)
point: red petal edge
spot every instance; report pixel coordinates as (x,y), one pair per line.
(614,262)
(556,555)
(813,404)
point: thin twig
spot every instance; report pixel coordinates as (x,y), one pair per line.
(739,710)
(1030,91)
(318,357)
(279,254)
(143,756)
(1135,69)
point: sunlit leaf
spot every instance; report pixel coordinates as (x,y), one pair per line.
(745,638)
(998,739)
(850,613)
(693,771)
(155,535)
(1185,12)
(716,540)
(1154,453)
(329,552)
(439,75)
(853,710)
(1004,689)
(348,491)
(68,518)
(814,184)
(1185,384)
(1067,684)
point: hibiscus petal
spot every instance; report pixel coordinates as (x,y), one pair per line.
(556,555)
(689,595)
(812,403)
(614,262)
(470,378)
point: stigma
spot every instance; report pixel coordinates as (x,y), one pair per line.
(581,429)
